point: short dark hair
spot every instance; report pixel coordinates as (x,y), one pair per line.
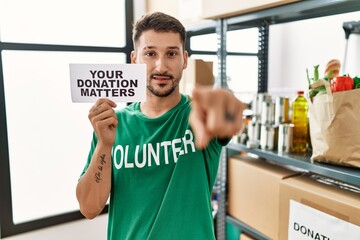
(159,22)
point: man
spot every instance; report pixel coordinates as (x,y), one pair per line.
(158,159)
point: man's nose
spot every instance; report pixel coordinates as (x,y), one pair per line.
(161,64)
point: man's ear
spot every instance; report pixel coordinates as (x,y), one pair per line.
(186,57)
(133,57)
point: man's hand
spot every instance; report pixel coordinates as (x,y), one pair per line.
(93,188)
(104,120)
(215,113)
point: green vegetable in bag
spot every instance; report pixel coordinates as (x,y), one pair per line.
(356,82)
(318,90)
(316,73)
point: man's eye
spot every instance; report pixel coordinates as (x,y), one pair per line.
(172,54)
(150,54)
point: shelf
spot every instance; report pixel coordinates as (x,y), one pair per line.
(246,228)
(263,19)
(350,175)
(297,11)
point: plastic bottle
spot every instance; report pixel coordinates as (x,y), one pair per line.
(300,121)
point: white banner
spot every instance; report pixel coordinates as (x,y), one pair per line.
(118,82)
(308,223)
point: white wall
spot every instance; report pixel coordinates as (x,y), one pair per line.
(299,45)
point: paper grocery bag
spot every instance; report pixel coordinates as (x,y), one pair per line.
(334,121)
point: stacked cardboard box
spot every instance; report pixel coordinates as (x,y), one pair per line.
(197,73)
(288,205)
(333,211)
(254,191)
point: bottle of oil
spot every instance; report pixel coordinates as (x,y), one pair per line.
(300,121)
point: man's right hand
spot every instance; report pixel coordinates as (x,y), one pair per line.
(104,121)
(93,189)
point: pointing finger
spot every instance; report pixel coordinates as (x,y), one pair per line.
(197,123)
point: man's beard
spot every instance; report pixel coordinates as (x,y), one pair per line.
(162,93)
(162,86)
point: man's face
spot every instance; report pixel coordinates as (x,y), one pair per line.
(163,54)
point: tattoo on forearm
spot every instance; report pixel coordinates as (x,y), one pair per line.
(100,168)
(98,177)
(102,159)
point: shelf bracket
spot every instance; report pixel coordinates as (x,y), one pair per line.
(263,56)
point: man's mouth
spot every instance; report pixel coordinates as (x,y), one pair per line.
(161,78)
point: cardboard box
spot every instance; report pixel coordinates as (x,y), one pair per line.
(254,190)
(212,10)
(198,72)
(163,6)
(327,201)
(244,236)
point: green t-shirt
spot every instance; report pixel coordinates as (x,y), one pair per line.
(161,183)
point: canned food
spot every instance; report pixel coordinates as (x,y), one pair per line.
(267,137)
(257,105)
(253,134)
(285,138)
(281,110)
(267,112)
(286,109)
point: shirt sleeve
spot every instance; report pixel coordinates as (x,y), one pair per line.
(212,154)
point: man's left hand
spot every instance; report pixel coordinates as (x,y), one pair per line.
(215,113)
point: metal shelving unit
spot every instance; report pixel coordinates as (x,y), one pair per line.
(350,175)
(243,226)
(221,177)
(343,174)
(300,10)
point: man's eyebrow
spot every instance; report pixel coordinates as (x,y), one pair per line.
(149,47)
(170,47)
(174,47)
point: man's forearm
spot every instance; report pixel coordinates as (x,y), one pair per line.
(93,188)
